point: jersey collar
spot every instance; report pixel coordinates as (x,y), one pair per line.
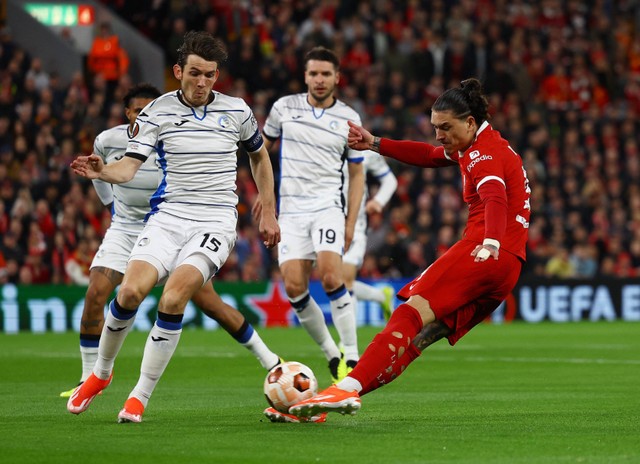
(212,97)
(482,127)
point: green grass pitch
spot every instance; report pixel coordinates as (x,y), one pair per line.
(514,393)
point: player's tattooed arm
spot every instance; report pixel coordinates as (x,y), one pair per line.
(375,145)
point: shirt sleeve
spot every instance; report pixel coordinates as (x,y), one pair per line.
(273,125)
(145,134)
(415,153)
(494,197)
(104,191)
(382,172)
(250,135)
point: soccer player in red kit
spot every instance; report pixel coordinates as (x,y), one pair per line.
(468,282)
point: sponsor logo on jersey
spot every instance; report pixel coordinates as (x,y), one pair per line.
(477,160)
(143,242)
(224,121)
(474,154)
(181,122)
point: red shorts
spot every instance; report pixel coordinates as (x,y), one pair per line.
(461,292)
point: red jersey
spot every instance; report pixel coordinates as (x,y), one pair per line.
(491,172)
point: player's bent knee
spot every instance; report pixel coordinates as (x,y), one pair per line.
(422,305)
(173,301)
(294,289)
(130,297)
(331,281)
(97,296)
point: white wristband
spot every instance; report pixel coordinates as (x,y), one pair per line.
(492,242)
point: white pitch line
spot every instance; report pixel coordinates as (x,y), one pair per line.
(634,362)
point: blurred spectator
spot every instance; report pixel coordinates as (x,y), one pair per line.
(4,274)
(38,75)
(560,265)
(106,57)
(563,82)
(60,254)
(583,261)
(78,262)
(35,270)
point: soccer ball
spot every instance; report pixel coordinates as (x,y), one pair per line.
(289,383)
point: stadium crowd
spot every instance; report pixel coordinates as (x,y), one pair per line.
(564,84)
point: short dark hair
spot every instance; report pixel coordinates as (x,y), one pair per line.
(143,90)
(464,101)
(322,54)
(204,45)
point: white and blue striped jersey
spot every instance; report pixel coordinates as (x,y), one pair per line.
(313,153)
(130,199)
(196,151)
(376,166)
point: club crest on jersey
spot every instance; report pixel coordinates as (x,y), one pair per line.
(224,121)
(334,125)
(135,130)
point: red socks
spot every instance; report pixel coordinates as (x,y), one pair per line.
(391,351)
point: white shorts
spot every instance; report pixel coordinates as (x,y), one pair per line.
(114,250)
(303,236)
(167,242)
(355,253)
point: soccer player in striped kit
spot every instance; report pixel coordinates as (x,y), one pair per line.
(316,212)
(191,229)
(130,204)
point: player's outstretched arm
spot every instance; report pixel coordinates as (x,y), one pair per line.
(93,167)
(262,172)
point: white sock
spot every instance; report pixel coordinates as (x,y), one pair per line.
(354,303)
(349,384)
(344,319)
(89,355)
(114,332)
(312,319)
(266,357)
(160,346)
(367,292)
